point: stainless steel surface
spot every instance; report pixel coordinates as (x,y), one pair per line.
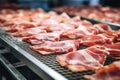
(17,75)
(38,67)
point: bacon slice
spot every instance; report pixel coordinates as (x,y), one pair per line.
(28,32)
(114,50)
(56,47)
(84,28)
(100,39)
(91,58)
(64,17)
(117,32)
(102,27)
(80,32)
(43,37)
(2,19)
(109,72)
(49,22)
(20,26)
(13,21)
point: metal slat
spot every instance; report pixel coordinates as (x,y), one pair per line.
(18,64)
(34,64)
(16,74)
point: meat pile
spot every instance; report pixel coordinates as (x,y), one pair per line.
(50,33)
(93,12)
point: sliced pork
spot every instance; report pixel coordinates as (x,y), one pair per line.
(56,47)
(102,27)
(42,37)
(80,32)
(91,58)
(20,26)
(99,39)
(109,72)
(114,50)
(28,32)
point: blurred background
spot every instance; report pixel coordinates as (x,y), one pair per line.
(48,4)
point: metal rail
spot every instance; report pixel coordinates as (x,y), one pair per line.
(15,73)
(35,65)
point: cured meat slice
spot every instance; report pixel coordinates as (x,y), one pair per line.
(91,58)
(49,22)
(102,27)
(114,50)
(20,26)
(61,27)
(109,72)
(43,37)
(85,23)
(2,19)
(117,32)
(100,39)
(80,32)
(84,28)
(76,18)
(28,32)
(56,47)
(15,22)
(64,17)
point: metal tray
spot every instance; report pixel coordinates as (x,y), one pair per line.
(44,66)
